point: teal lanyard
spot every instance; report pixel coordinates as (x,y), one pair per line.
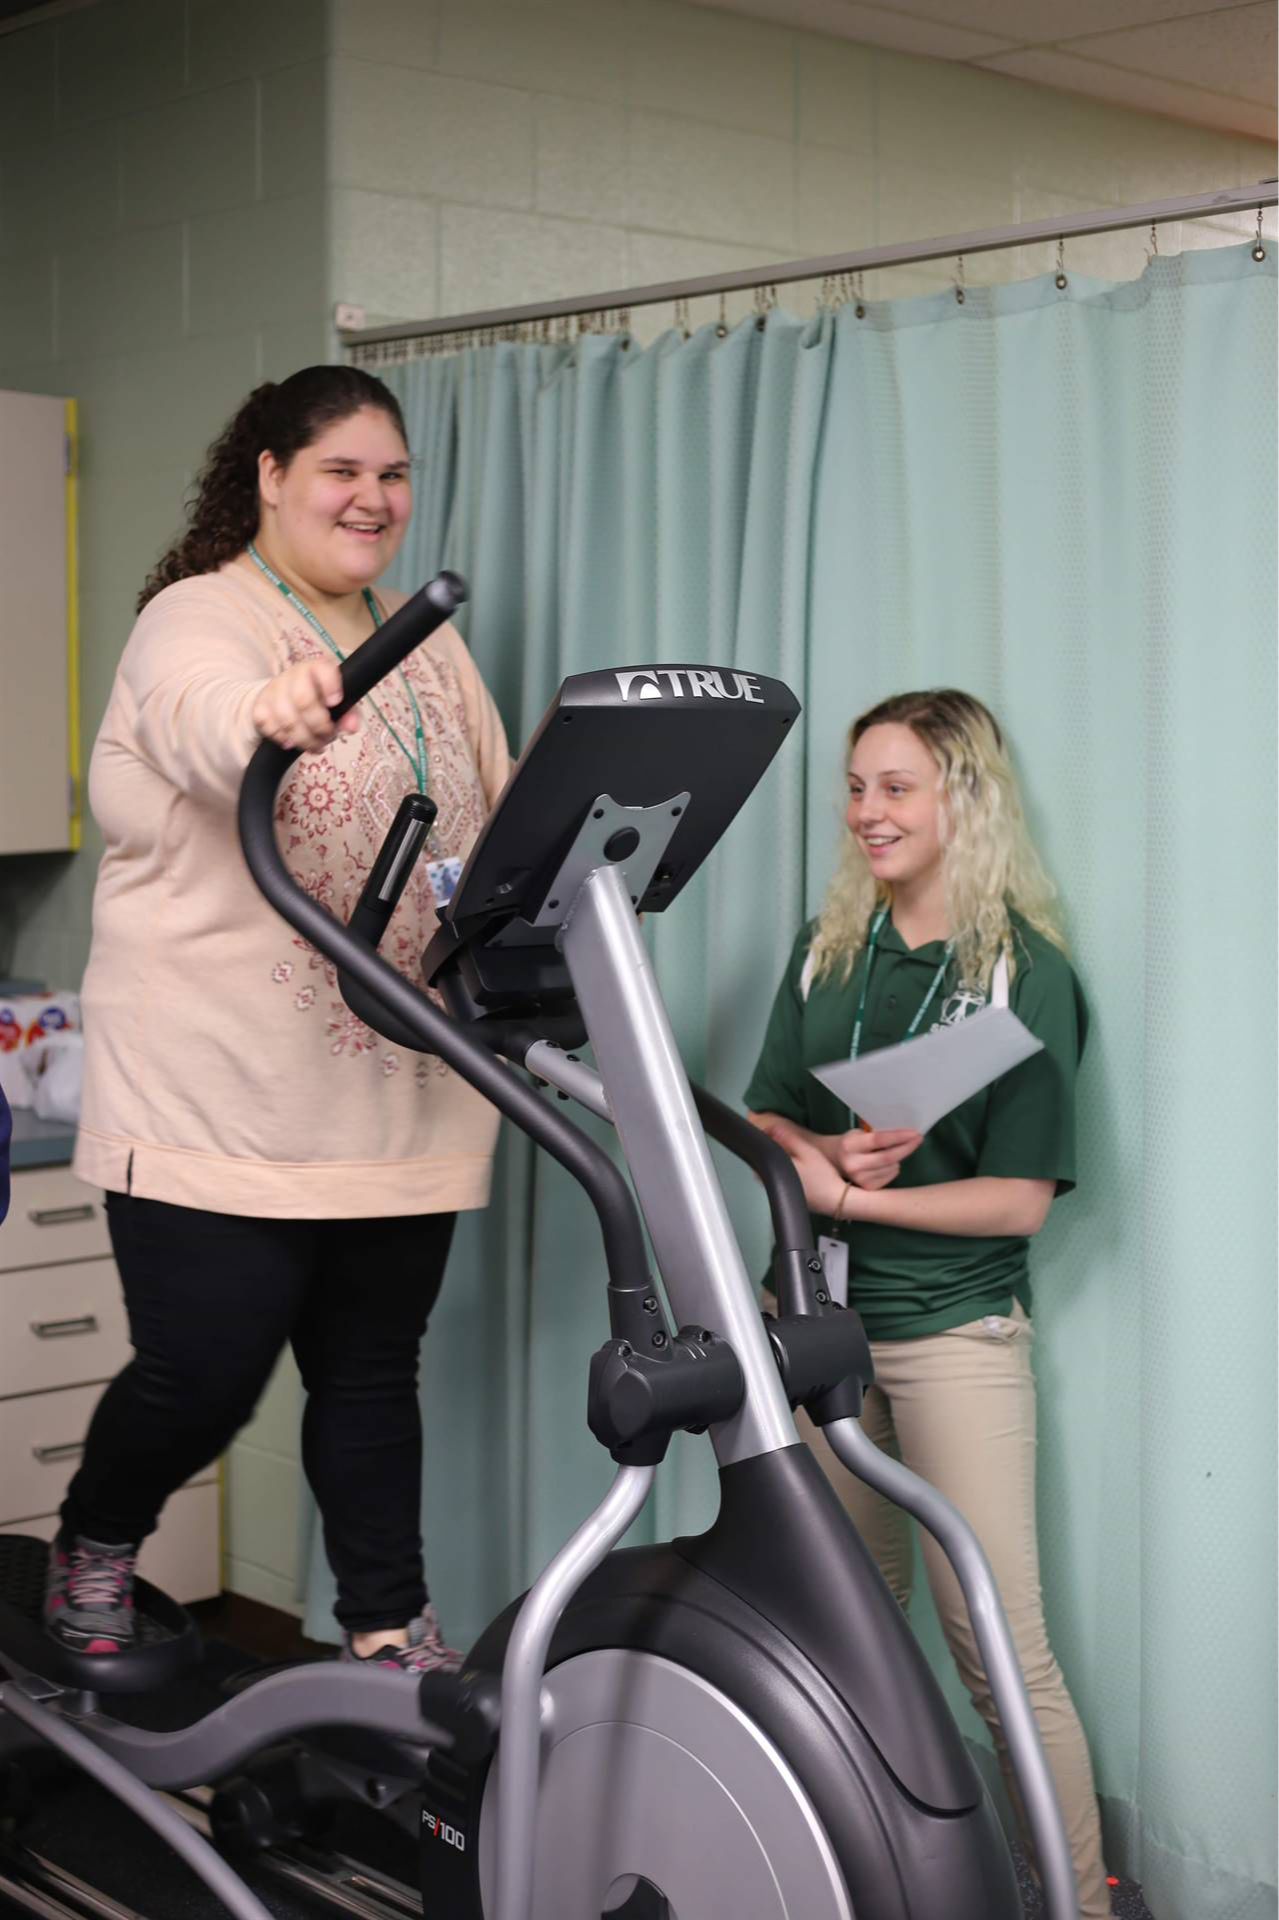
(872,939)
(417,759)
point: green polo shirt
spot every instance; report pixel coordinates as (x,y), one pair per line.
(903,1282)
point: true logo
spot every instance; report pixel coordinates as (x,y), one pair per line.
(685,683)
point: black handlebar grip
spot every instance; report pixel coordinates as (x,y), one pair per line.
(432,1031)
(792,1227)
(381,892)
(396,638)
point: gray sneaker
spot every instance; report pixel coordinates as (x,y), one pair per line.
(425,1652)
(88,1600)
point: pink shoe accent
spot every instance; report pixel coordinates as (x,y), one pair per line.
(88,1602)
(424,1653)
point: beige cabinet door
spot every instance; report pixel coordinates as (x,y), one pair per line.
(38,803)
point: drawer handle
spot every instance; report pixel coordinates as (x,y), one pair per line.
(70,1450)
(58,1329)
(60,1216)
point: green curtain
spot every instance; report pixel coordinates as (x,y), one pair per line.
(1062,499)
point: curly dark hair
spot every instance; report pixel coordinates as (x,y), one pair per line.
(223,517)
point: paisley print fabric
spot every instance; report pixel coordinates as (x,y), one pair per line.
(334,813)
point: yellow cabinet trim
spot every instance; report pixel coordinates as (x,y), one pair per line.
(75,822)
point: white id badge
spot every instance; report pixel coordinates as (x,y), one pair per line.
(443,876)
(835,1267)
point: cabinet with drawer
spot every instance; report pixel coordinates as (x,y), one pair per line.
(63,1336)
(52,1218)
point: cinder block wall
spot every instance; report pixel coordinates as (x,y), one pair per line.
(163,247)
(490,152)
(186,186)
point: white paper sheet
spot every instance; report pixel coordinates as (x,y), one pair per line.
(915,1084)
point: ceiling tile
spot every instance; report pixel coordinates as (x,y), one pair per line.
(947,28)
(1032,23)
(1150,93)
(1231,53)
(882,26)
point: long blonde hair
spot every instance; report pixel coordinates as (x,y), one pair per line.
(989,864)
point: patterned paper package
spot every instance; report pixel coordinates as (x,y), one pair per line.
(28,1017)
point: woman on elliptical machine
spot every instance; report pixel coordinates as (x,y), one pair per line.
(939,905)
(275,1172)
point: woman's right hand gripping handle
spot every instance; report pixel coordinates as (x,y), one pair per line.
(294,709)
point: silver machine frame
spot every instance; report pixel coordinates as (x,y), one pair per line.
(641,1087)
(588,909)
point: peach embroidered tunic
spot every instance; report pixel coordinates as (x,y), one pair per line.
(223,1070)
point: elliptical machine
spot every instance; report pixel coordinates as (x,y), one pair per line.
(738,1723)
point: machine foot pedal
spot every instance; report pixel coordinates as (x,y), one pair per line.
(167,1641)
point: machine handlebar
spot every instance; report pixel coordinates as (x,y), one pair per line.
(432,1031)
(397,637)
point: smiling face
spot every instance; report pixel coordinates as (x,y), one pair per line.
(334,517)
(894,805)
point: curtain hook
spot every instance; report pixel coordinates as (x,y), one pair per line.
(1061,282)
(959,279)
(1258,250)
(859,288)
(681,317)
(1154,244)
(722,327)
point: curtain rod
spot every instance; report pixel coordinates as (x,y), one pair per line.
(986,240)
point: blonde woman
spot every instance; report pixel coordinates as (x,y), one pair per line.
(939,905)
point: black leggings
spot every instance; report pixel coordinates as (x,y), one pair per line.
(212,1298)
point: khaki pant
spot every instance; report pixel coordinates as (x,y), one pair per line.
(958,1408)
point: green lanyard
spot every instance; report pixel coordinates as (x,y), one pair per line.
(872,938)
(416,760)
